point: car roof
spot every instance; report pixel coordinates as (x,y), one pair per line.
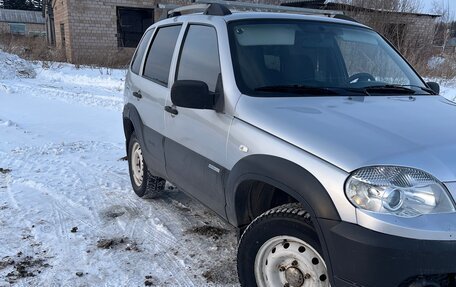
(255,16)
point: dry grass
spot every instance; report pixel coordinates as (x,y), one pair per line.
(35,48)
(443,68)
(32,48)
(119,59)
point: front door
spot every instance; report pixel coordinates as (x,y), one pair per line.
(195,141)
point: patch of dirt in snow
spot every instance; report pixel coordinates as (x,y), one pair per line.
(5,170)
(118,243)
(149,280)
(115,211)
(23,267)
(208,231)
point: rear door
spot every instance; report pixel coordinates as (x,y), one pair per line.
(151,91)
(196,139)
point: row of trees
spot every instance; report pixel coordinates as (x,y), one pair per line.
(36,5)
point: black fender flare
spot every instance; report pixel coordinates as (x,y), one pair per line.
(131,113)
(280,173)
(156,165)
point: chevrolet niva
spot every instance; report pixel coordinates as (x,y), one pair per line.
(311,135)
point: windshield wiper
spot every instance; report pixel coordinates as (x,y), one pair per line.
(297,89)
(389,89)
(428,90)
(317,91)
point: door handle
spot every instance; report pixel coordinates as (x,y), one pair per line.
(137,94)
(171,110)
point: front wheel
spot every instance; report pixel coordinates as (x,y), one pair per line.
(144,183)
(281,248)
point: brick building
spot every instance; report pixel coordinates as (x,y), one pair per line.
(18,22)
(94,31)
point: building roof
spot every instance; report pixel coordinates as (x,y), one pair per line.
(21,16)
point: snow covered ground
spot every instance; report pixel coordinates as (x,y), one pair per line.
(448,89)
(68,216)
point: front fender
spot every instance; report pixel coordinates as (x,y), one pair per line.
(280,173)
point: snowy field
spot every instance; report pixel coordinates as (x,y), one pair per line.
(68,216)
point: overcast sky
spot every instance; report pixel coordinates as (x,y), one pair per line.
(427,5)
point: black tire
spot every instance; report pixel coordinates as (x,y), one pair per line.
(286,220)
(151,186)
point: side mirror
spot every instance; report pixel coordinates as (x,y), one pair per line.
(434,86)
(192,94)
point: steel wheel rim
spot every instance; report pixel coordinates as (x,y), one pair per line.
(137,164)
(290,262)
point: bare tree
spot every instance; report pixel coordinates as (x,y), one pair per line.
(444,27)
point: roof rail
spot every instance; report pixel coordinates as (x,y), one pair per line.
(345,17)
(246,6)
(194,8)
(217,9)
(221,8)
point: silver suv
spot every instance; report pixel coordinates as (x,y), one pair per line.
(311,135)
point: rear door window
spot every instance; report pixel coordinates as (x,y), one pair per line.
(139,55)
(158,61)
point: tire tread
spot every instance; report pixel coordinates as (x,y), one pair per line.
(154,186)
(291,210)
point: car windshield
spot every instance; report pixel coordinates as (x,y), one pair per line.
(309,58)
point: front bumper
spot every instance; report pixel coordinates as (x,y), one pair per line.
(362,257)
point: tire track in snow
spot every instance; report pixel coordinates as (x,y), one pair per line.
(160,240)
(89,98)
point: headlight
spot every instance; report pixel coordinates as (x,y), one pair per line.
(401,191)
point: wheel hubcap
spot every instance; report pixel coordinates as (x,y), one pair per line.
(137,164)
(289,262)
(294,276)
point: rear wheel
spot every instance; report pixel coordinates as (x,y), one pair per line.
(144,183)
(281,248)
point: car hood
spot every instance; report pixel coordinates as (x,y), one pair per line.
(362,131)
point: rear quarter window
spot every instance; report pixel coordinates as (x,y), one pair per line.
(158,61)
(139,55)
